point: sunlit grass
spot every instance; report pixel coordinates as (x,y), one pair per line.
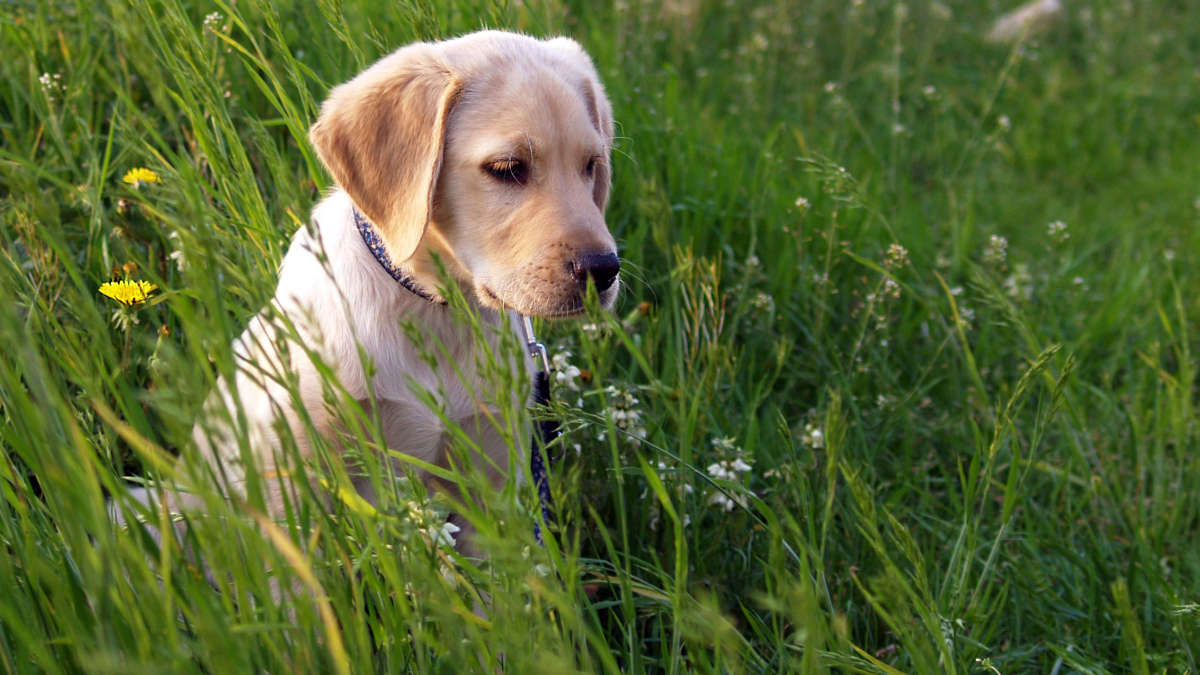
(902,377)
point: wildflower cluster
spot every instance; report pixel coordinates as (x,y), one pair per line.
(812,436)
(566,374)
(576,386)
(430,523)
(995,252)
(213,20)
(1057,231)
(625,414)
(896,257)
(51,85)
(763,303)
(1019,284)
(729,473)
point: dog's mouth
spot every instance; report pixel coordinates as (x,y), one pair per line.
(544,307)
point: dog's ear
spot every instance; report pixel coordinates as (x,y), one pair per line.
(381,135)
(602,116)
(598,108)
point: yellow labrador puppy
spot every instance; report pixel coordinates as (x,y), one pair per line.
(490,153)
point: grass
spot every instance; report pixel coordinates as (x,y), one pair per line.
(970,454)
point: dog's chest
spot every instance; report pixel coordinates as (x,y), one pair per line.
(443,375)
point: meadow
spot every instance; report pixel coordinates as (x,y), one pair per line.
(902,377)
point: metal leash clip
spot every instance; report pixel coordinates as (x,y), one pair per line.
(536,349)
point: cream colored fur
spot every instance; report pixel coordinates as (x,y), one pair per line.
(410,141)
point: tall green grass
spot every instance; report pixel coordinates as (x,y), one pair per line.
(973,437)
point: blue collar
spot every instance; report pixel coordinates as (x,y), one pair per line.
(374,242)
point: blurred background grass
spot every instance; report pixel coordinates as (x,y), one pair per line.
(936,294)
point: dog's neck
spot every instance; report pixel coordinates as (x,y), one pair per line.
(374,242)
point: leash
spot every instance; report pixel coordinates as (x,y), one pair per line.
(545,430)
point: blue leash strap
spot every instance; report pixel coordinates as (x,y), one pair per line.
(545,431)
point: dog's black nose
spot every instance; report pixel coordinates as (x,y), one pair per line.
(601,267)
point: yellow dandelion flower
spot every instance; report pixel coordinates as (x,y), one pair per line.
(136,177)
(128,292)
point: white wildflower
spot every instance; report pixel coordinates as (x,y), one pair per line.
(211,21)
(565,374)
(996,250)
(626,415)
(803,205)
(728,469)
(720,471)
(177,255)
(1057,231)
(1019,284)
(812,436)
(444,535)
(722,500)
(726,443)
(738,465)
(763,302)
(51,84)
(896,257)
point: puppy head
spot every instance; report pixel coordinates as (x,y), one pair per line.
(490,151)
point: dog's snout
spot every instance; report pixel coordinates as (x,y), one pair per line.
(601,267)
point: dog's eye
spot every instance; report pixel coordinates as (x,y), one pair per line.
(590,169)
(508,170)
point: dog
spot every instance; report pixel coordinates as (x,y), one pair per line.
(484,158)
